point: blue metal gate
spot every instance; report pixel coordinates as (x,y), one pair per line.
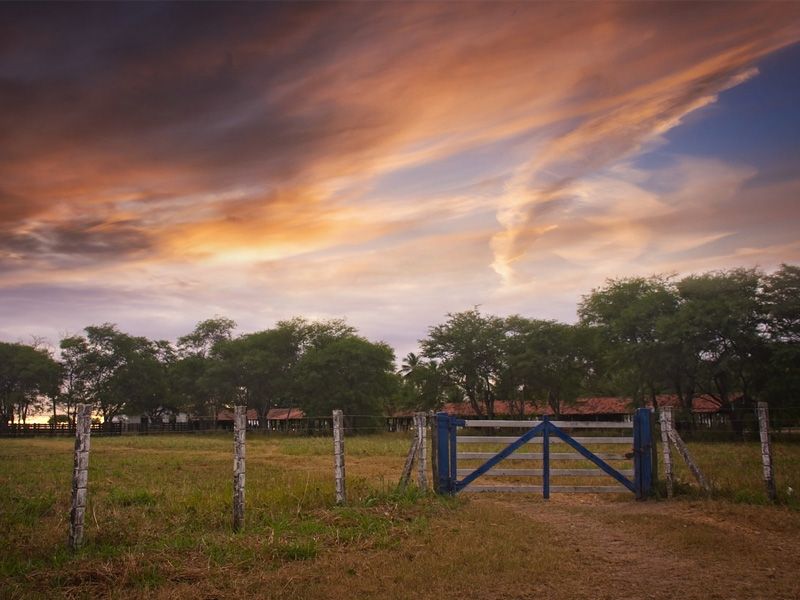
(545,432)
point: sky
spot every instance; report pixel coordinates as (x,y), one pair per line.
(387,163)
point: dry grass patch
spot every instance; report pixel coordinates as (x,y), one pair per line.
(159,517)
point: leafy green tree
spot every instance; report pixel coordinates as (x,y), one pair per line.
(725,313)
(27,375)
(315,334)
(189,384)
(350,373)
(257,368)
(116,371)
(205,336)
(547,363)
(196,376)
(469,351)
(74,377)
(628,315)
(781,302)
(143,384)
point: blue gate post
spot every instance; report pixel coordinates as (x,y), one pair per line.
(453,454)
(642,462)
(443,452)
(546,458)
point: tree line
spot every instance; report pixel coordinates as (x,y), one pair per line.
(731,335)
(316,366)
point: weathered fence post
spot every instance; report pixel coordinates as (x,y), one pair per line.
(338,455)
(683,450)
(80,474)
(766,449)
(406,474)
(239,428)
(434,452)
(422,454)
(665,420)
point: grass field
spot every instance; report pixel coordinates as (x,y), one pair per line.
(158,525)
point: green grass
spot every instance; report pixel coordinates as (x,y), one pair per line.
(150,497)
(734,471)
(159,513)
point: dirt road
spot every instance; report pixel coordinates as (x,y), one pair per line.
(574,547)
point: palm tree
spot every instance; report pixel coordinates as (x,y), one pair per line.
(410,363)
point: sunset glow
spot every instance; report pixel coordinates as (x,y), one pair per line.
(385,162)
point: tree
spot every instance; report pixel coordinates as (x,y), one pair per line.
(142,385)
(205,336)
(469,350)
(547,363)
(725,309)
(316,334)
(115,370)
(628,314)
(423,383)
(781,303)
(27,374)
(257,368)
(351,374)
(74,378)
(195,372)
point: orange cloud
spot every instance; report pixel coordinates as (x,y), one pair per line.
(269,137)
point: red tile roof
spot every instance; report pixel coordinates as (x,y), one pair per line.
(700,404)
(273,414)
(285,414)
(227,415)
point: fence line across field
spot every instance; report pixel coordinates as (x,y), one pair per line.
(462,477)
(690,428)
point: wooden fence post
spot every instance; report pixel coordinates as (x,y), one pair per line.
(239,429)
(406,474)
(766,449)
(680,446)
(80,474)
(338,455)
(665,419)
(434,453)
(422,454)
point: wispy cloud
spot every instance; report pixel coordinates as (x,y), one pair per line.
(446,154)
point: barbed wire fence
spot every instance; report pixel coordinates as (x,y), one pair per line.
(417,432)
